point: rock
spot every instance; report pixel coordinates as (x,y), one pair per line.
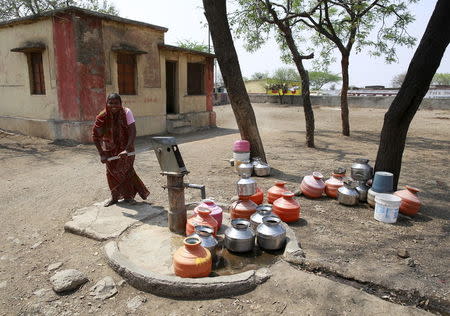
(103,289)
(403,253)
(67,280)
(121,282)
(134,303)
(41,292)
(298,192)
(36,245)
(3,284)
(411,262)
(54,266)
(234,199)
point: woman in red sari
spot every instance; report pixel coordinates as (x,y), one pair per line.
(114,133)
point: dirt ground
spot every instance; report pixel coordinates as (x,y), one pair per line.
(44,182)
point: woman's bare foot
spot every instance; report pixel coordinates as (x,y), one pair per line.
(110,202)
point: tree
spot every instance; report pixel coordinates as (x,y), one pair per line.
(255,20)
(319,78)
(10,9)
(282,79)
(346,24)
(397,81)
(420,73)
(216,15)
(441,79)
(193,45)
(260,75)
(343,25)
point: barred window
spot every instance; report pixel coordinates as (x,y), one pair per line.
(126,73)
(36,68)
(195,79)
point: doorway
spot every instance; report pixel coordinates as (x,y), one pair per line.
(171,87)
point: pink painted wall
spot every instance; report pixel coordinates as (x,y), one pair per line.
(80,66)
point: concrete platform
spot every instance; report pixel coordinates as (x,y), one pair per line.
(104,223)
(142,247)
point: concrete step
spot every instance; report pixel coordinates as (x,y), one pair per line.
(181,130)
(178,123)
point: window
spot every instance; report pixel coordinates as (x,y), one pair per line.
(126,73)
(36,68)
(195,79)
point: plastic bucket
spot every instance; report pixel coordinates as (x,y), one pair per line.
(241,156)
(386,208)
(382,182)
(241,146)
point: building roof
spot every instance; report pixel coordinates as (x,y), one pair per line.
(71,9)
(185,50)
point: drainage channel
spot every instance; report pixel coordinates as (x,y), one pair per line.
(402,297)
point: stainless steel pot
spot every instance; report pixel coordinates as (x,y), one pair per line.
(261,168)
(239,237)
(205,234)
(246,186)
(261,211)
(361,170)
(347,194)
(362,189)
(271,234)
(245,168)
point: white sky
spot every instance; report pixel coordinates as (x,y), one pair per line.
(185,20)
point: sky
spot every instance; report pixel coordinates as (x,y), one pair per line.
(186,21)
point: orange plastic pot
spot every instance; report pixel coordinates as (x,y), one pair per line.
(258,197)
(410,204)
(334,183)
(276,191)
(243,208)
(192,260)
(286,208)
(201,217)
(312,186)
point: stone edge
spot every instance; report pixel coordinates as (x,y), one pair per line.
(186,288)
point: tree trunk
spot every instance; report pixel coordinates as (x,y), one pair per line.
(216,15)
(307,107)
(344,99)
(421,70)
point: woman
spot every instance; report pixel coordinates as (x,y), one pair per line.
(114,133)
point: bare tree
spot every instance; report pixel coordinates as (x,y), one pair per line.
(420,73)
(216,14)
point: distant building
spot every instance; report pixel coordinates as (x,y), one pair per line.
(58,67)
(435,91)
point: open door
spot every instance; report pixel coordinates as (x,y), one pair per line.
(171,87)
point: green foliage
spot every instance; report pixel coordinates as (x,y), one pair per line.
(321,26)
(194,45)
(282,79)
(397,81)
(318,79)
(259,75)
(441,79)
(11,9)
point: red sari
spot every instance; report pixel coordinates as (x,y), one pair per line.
(112,131)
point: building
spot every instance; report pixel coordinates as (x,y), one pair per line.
(57,68)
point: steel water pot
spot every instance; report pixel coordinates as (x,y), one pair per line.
(245,168)
(362,189)
(246,186)
(261,211)
(239,237)
(347,194)
(205,233)
(271,234)
(261,168)
(361,170)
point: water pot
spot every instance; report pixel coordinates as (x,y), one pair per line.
(246,186)
(261,211)
(271,234)
(361,170)
(347,194)
(239,237)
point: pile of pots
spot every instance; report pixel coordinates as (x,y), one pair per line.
(241,161)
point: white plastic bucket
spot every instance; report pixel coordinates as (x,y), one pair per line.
(386,207)
(241,156)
